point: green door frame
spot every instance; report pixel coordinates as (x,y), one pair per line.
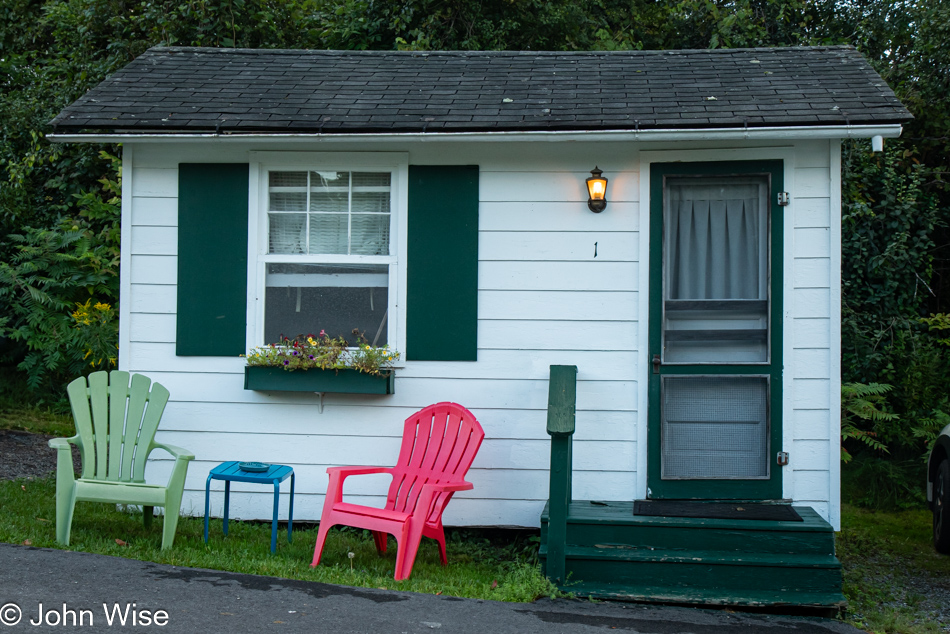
(769,489)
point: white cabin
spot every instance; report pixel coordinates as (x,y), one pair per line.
(454,193)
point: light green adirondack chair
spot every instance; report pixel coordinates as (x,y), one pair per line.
(114,443)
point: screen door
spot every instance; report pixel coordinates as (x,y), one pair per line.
(714,345)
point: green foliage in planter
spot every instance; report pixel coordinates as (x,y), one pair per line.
(326,353)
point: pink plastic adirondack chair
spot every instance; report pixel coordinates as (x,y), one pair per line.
(438,446)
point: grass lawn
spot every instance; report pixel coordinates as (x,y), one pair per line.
(488,565)
(894,580)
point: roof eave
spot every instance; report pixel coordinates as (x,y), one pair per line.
(854,131)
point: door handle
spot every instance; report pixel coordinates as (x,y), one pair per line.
(656,364)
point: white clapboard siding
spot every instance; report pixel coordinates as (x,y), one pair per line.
(563,305)
(812,364)
(154,212)
(152,182)
(809,302)
(153,328)
(154,240)
(557,335)
(287,419)
(154,269)
(560,216)
(811,393)
(593,246)
(811,212)
(153,298)
(810,455)
(812,182)
(492,334)
(812,273)
(552,186)
(411,392)
(811,486)
(558,276)
(813,424)
(558,285)
(492,364)
(812,242)
(811,332)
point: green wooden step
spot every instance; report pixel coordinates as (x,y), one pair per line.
(733,574)
(712,557)
(608,524)
(831,601)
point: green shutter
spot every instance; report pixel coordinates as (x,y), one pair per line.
(212,259)
(442,292)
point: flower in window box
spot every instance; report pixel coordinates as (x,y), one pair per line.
(324,353)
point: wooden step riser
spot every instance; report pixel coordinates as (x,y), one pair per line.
(828,604)
(646,536)
(681,577)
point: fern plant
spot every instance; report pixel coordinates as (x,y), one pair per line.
(861,401)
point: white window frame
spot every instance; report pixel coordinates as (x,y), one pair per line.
(261,163)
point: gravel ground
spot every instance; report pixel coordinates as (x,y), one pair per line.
(26,455)
(924,594)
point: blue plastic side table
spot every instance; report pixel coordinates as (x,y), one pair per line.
(230,472)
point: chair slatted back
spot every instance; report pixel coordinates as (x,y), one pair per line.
(439,444)
(116,420)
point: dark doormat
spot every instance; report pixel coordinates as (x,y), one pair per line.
(716,510)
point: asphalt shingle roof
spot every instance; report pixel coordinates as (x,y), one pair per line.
(169,90)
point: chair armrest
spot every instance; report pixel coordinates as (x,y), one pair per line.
(448,487)
(176,481)
(177,452)
(434,497)
(64,459)
(339,474)
(357,470)
(64,443)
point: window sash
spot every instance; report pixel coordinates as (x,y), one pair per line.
(300,239)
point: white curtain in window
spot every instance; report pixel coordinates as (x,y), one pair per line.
(714,241)
(287,233)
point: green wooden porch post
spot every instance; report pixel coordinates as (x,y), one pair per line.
(562,398)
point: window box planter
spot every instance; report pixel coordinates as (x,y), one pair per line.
(270,379)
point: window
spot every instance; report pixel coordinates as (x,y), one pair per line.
(328,258)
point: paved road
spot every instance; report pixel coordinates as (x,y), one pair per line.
(96,588)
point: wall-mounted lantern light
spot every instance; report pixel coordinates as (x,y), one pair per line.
(597,191)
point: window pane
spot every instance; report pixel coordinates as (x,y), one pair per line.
(370,234)
(349,212)
(371,179)
(372,202)
(715,427)
(329,201)
(288,179)
(288,201)
(302,299)
(287,232)
(330,181)
(715,270)
(328,233)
